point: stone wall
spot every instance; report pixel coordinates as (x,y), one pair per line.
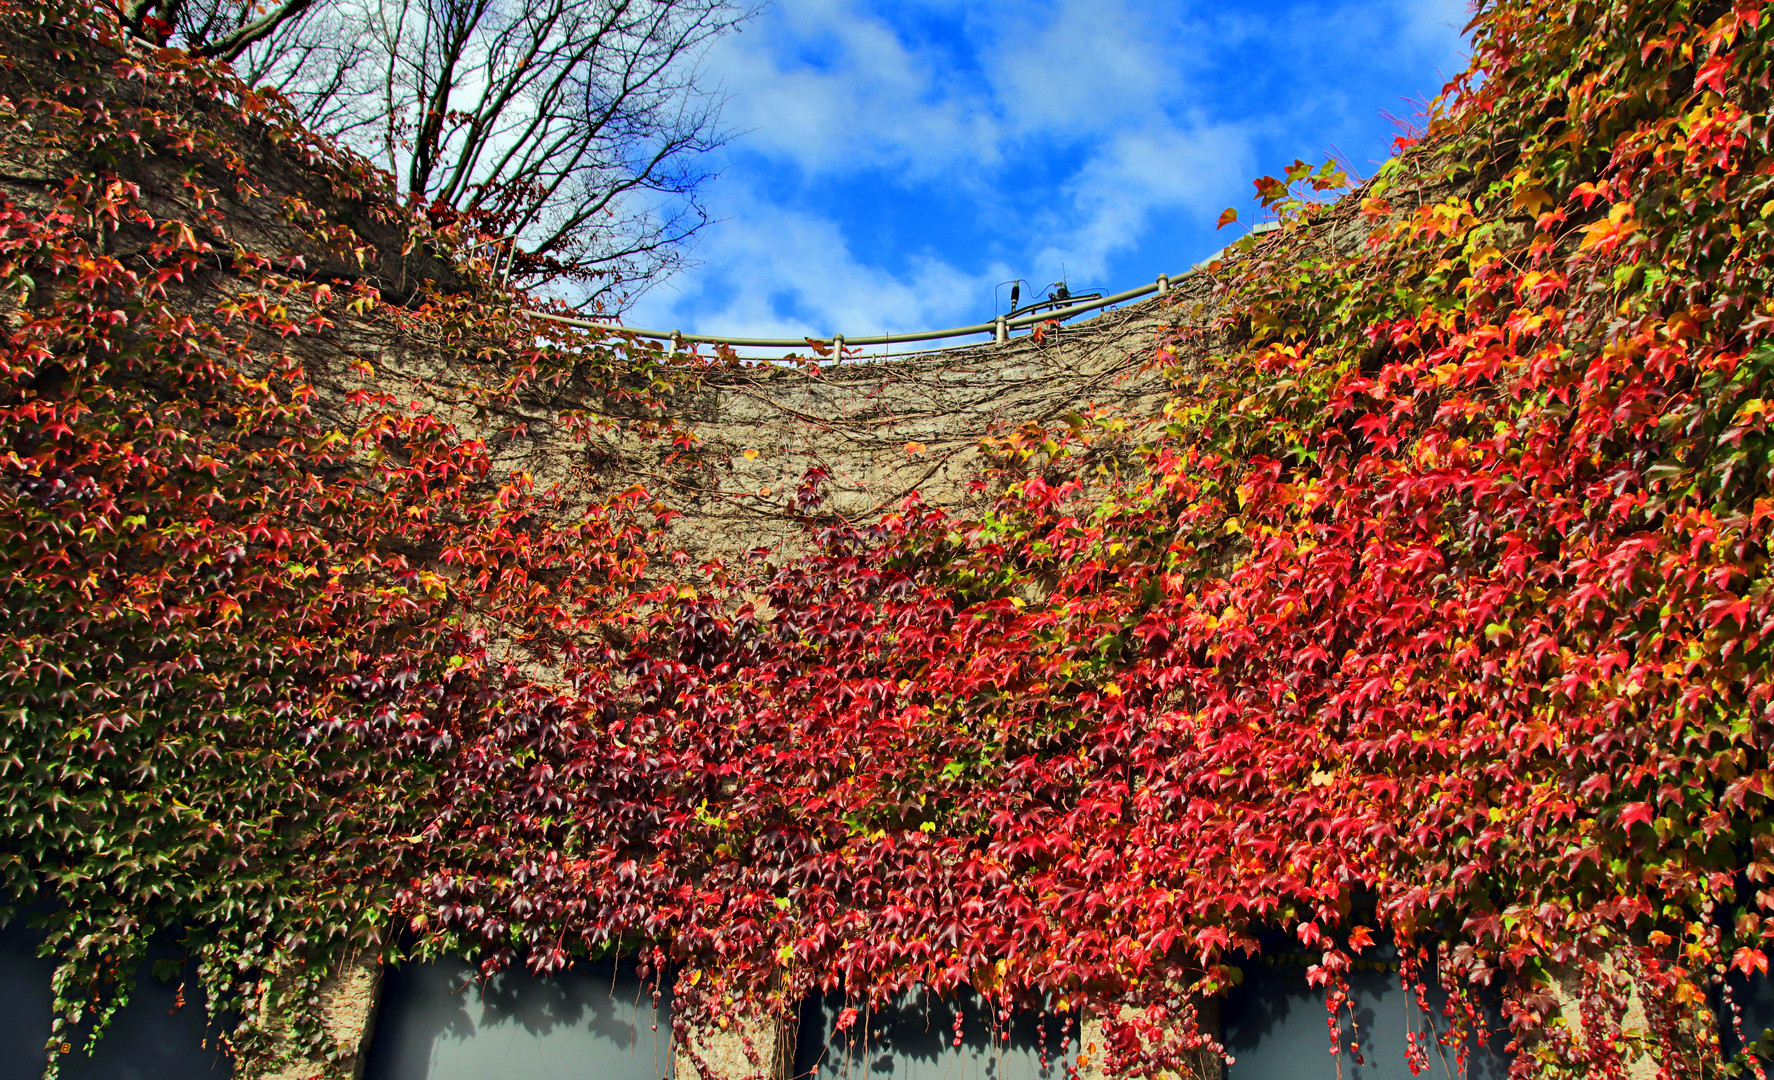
(884,429)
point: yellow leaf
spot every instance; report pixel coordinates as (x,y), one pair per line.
(1532,199)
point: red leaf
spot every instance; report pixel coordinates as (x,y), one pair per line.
(1270,190)
(1749,961)
(1228,217)
(1589,193)
(1713,72)
(1639,812)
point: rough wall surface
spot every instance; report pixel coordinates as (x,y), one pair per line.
(886,429)
(748,1050)
(347,1002)
(1568,991)
(1093,1049)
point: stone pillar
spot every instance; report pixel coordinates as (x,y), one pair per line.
(347,1000)
(727,1053)
(1210,1066)
(1094,1046)
(1567,990)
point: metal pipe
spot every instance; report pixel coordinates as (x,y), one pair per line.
(758,343)
(678,340)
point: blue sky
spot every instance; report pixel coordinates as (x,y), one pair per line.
(894,160)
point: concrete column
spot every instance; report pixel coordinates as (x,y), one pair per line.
(347,1000)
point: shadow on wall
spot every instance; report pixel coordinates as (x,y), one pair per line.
(1755,1016)
(153,1038)
(1276,1027)
(594,1020)
(915,1040)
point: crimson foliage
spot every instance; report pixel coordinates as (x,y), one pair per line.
(1430,610)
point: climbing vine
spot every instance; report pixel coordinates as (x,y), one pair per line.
(273,552)
(1430,610)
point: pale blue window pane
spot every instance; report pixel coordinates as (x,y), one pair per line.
(914,1040)
(24,1005)
(1755,1003)
(153,1038)
(591,1022)
(1275,1028)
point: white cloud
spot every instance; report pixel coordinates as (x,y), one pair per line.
(1139,173)
(1081,66)
(772,271)
(829,86)
(833,86)
(1435,26)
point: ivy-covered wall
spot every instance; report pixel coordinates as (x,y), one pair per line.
(1412,594)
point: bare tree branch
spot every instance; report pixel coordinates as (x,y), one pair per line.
(575,125)
(229,46)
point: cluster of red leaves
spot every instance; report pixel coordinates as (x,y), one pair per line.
(1433,612)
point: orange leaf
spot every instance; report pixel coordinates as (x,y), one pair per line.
(1749,961)
(1588,193)
(1532,199)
